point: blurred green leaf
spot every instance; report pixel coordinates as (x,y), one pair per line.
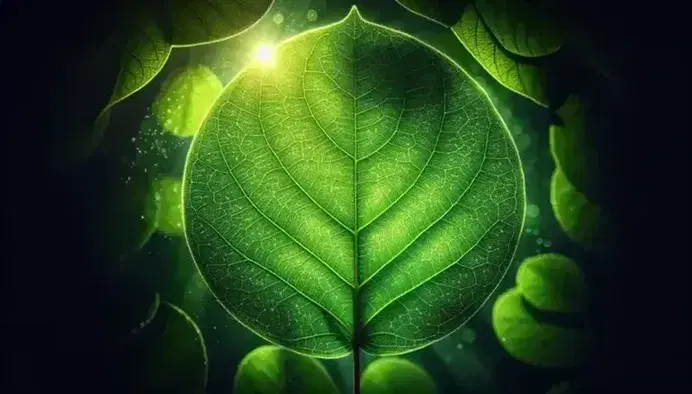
(579,219)
(571,148)
(531,341)
(525,28)
(444,12)
(168,194)
(185,99)
(393,375)
(275,370)
(552,282)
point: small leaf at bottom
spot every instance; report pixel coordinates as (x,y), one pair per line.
(392,375)
(274,370)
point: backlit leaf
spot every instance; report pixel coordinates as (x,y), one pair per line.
(571,148)
(393,375)
(274,370)
(168,194)
(522,78)
(523,27)
(360,185)
(195,22)
(185,100)
(578,218)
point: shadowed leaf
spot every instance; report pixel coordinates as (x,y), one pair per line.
(525,79)
(571,148)
(578,218)
(552,282)
(168,194)
(523,27)
(185,99)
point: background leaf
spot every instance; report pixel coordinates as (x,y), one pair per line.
(168,194)
(578,218)
(444,12)
(523,27)
(175,362)
(274,370)
(273,177)
(572,149)
(552,282)
(185,99)
(394,375)
(195,22)
(531,341)
(524,79)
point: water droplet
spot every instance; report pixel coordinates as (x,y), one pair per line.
(312,15)
(539,241)
(547,243)
(532,211)
(278,18)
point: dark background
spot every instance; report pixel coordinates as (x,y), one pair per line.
(53,307)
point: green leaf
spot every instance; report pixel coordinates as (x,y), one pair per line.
(552,282)
(195,22)
(531,341)
(145,54)
(523,27)
(177,361)
(187,23)
(578,218)
(393,375)
(570,146)
(444,12)
(363,174)
(519,77)
(185,100)
(274,370)
(168,194)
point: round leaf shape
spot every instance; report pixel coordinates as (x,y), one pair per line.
(177,361)
(274,370)
(571,149)
(185,99)
(168,194)
(525,27)
(363,186)
(516,75)
(578,218)
(552,283)
(531,341)
(393,375)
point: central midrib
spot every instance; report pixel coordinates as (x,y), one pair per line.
(357,326)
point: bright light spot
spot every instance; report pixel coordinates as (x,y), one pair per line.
(265,55)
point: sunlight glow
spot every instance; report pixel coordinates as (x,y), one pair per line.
(265,55)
